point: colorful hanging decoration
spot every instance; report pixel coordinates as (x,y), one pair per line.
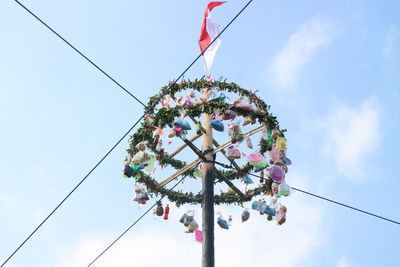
(230,220)
(159,209)
(247,120)
(243,103)
(229,115)
(182,125)
(141,196)
(198,129)
(248,180)
(284,189)
(217,97)
(263,208)
(166,212)
(217,125)
(276,173)
(158,132)
(222,222)
(280,143)
(189,222)
(235,133)
(232,152)
(198,234)
(249,143)
(245,215)
(257,160)
(164,117)
(281,217)
(159,145)
(166,101)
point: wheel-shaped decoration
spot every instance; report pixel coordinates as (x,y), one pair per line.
(238,115)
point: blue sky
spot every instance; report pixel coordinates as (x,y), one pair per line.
(330,71)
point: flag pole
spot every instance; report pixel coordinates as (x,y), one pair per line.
(208,259)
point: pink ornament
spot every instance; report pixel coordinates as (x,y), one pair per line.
(255,157)
(274,154)
(198,235)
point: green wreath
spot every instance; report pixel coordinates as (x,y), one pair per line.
(157,119)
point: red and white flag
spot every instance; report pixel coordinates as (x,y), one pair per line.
(209,31)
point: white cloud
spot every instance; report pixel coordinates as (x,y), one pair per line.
(252,243)
(391,42)
(7,203)
(343,262)
(351,133)
(300,49)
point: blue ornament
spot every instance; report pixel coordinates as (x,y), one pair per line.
(217,125)
(182,124)
(248,180)
(217,97)
(222,223)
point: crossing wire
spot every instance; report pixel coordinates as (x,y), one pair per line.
(336,202)
(135,222)
(148,109)
(79,52)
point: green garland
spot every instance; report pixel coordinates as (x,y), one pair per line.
(166,116)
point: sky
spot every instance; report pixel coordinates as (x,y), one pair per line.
(329,70)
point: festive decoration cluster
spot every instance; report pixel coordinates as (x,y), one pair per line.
(172,119)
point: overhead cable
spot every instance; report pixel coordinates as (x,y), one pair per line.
(148,109)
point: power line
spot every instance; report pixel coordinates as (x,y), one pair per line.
(133,224)
(336,202)
(148,109)
(79,52)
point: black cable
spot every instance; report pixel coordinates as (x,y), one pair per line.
(70,193)
(133,224)
(335,202)
(148,109)
(79,52)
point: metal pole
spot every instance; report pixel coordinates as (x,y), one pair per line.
(208,259)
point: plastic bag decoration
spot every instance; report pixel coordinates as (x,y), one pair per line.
(182,125)
(189,222)
(217,97)
(140,157)
(158,132)
(257,160)
(229,115)
(263,208)
(280,143)
(235,133)
(276,173)
(284,189)
(185,219)
(248,180)
(243,103)
(281,216)
(217,125)
(222,222)
(141,196)
(247,121)
(283,158)
(159,209)
(131,169)
(245,215)
(198,235)
(249,143)
(233,152)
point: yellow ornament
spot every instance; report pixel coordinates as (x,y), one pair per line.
(281,143)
